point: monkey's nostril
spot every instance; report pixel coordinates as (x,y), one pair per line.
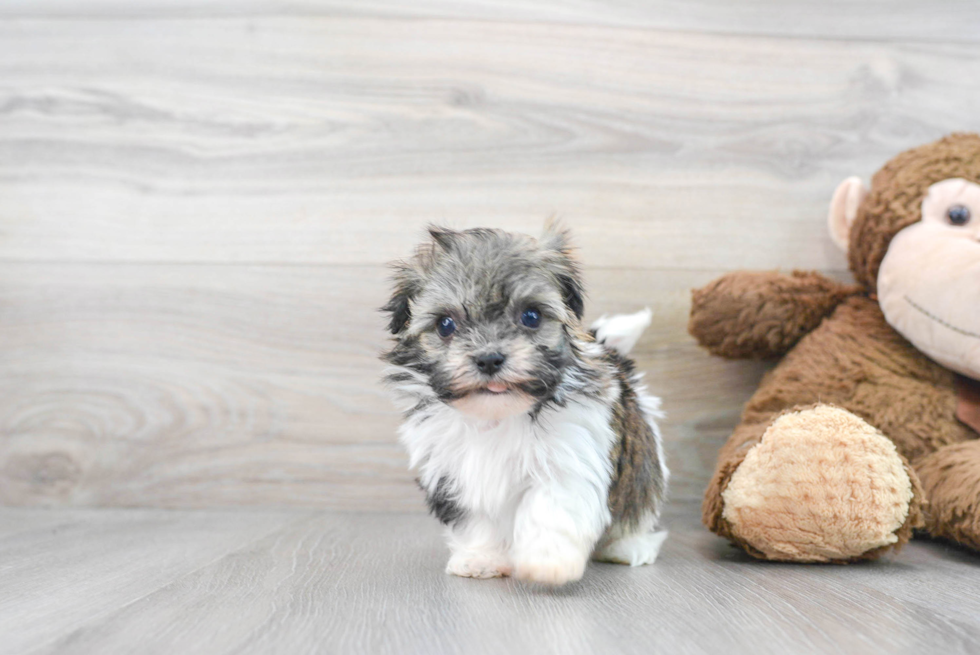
(490,363)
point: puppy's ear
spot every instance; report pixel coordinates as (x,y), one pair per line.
(556,237)
(556,242)
(408,283)
(444,237)
(573,293)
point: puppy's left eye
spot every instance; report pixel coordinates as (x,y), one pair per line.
(531,318)
(445,326)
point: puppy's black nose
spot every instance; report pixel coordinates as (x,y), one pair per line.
(490,363)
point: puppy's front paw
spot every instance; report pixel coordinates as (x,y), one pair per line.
(550,572)
(554,563)
(468,565)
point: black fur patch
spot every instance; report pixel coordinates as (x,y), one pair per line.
(442,505)
(560,365)
(638,483)
(549,374)
(573,293)
(407,285)
(408,353)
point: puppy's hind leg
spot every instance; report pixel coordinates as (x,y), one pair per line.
(622,331)
(633,548)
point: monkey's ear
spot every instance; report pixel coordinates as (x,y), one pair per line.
(844,209)
(557,242)
(408,283)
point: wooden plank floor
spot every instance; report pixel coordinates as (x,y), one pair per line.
(251,581)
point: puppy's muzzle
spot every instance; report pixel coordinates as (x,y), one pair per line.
(489,363)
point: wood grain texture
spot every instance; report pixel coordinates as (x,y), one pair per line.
(943,21)
(196,201)
(331,140)
(61,571)
(347,583)
(203,385)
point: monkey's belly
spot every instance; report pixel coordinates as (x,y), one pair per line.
(856,361)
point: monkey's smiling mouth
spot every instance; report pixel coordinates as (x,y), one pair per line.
(935,318)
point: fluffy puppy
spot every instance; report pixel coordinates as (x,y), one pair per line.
(534,442)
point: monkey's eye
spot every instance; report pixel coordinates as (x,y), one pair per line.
(445,326)
(531,318)
(958,215)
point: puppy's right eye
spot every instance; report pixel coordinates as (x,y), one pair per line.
(445,326)
(531,318)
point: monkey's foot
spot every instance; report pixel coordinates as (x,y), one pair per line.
(822,486)
(951,478)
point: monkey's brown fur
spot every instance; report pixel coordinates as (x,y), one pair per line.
(842,353)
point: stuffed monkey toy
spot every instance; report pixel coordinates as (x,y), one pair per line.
(869,427)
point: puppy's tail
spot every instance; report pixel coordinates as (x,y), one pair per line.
(622,331)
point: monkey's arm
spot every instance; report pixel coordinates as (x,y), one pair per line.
(758,315)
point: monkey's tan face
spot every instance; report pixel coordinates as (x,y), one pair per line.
(929,280)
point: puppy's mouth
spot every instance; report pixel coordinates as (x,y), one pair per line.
(499,389)
(494,389)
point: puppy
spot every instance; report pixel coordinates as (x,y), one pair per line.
(534,442)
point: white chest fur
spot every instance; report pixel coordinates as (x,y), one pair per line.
(489,466)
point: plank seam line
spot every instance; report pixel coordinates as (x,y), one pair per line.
(324,15)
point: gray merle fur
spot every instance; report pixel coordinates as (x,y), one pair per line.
(482,279)
(473,276)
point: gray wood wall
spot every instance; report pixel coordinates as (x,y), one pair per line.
(197,200)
